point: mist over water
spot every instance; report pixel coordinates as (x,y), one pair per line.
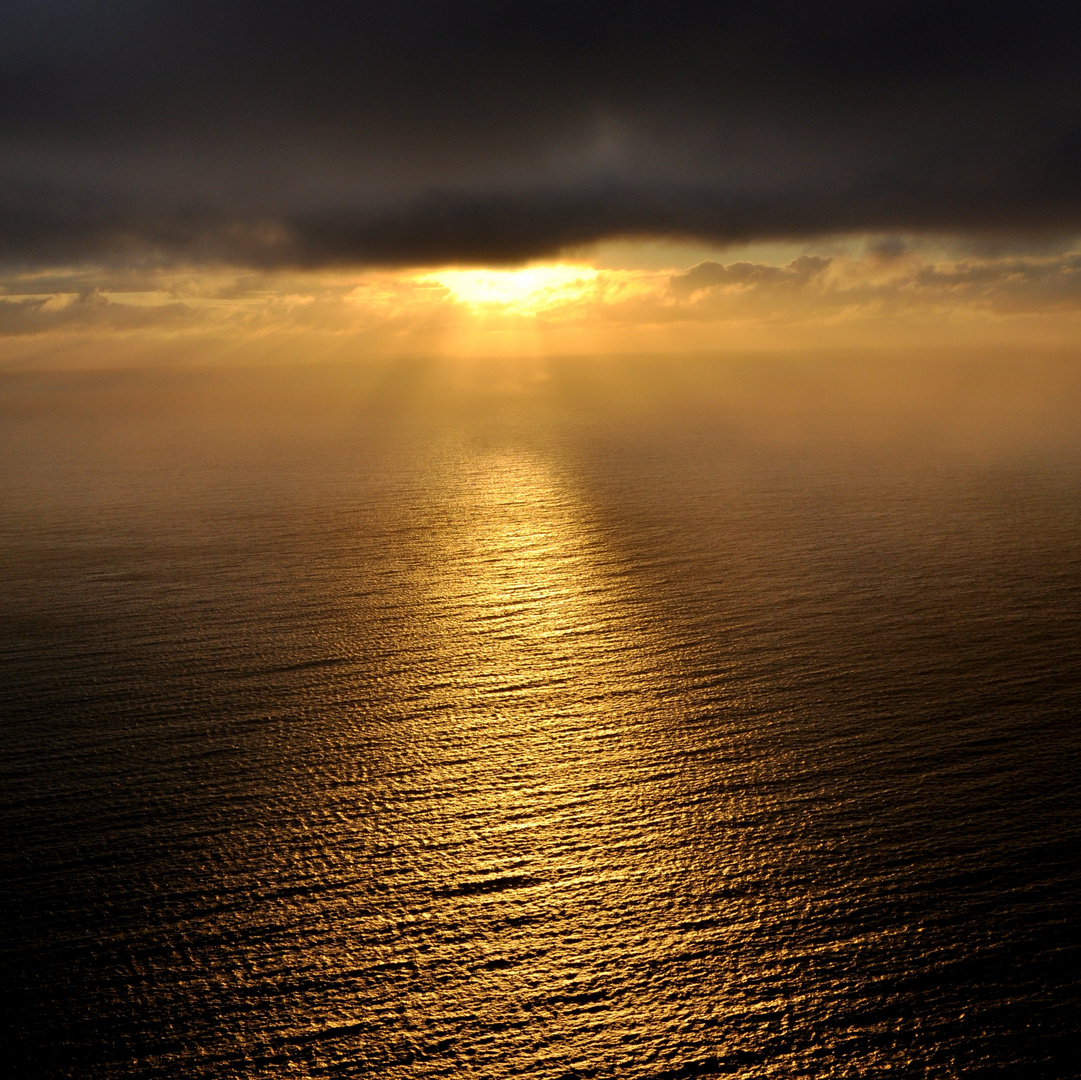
(573,718)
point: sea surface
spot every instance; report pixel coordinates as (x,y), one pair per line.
(641,718)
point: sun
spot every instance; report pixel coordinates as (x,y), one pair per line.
(526,290)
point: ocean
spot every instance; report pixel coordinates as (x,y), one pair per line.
(645,717)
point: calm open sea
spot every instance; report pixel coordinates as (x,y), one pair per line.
(568,719)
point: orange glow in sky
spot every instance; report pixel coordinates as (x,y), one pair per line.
(630,297)
(522,291)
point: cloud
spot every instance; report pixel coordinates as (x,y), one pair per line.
(709,274)
(90,310)
(280,134)
(917,296)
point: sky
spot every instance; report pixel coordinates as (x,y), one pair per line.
(333,179)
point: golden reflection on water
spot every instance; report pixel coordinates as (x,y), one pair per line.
(518,576)
(541,668)
(524,624)
(541,831)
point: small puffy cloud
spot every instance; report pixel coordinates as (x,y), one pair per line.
(888,249)
(709,275)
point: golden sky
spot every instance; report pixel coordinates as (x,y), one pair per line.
(619,297)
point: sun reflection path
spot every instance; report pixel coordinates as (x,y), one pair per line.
(542,837)
(530,614)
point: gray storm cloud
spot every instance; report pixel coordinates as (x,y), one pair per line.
(281,134)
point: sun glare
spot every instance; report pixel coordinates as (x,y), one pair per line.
(528,289)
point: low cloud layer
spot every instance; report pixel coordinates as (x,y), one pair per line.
(882,295)
(150,132)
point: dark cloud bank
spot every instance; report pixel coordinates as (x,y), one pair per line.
(315,133)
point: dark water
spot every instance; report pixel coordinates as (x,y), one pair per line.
(561,720)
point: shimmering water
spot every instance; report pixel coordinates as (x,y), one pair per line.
(552,719)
